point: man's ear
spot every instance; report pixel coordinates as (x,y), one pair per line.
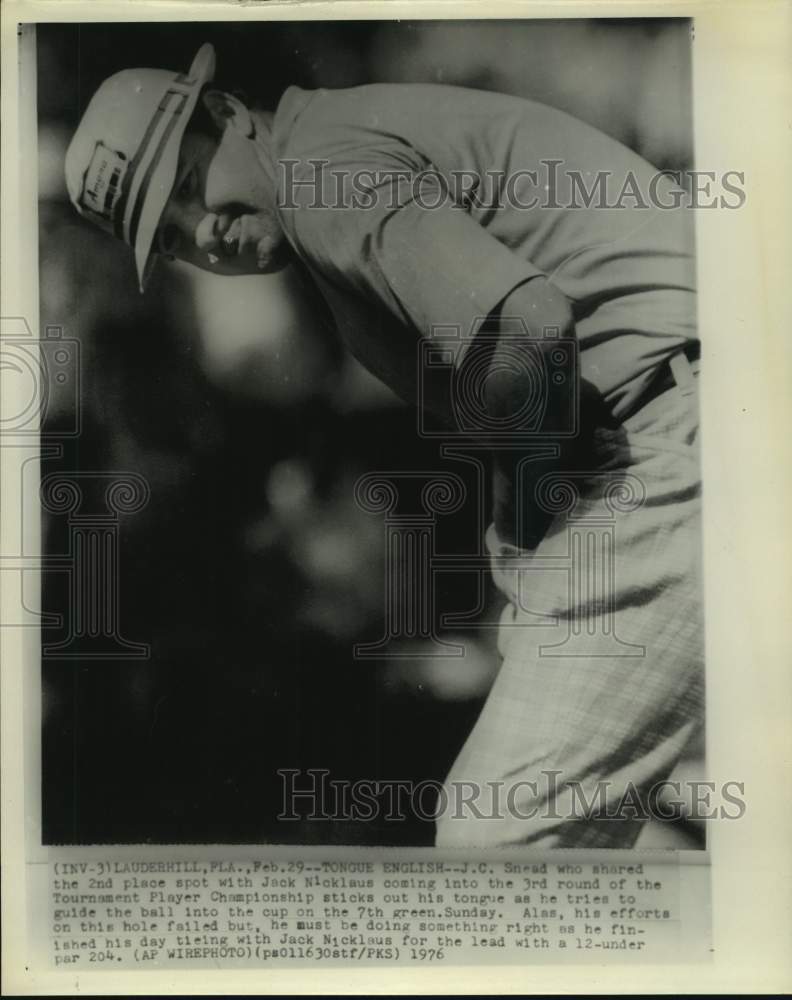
(227,110)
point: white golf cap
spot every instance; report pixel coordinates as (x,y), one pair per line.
(122,161)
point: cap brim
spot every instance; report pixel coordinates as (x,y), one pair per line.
(164,174)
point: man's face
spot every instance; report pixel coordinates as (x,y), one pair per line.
(221,213)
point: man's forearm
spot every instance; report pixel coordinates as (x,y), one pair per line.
(539,314)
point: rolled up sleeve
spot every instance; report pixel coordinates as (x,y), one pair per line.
(416,253)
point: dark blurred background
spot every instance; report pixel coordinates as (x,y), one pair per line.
(251,572)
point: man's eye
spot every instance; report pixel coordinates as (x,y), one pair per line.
(187,186)
(168,239)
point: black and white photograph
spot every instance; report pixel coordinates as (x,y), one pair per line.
(382,523)
(395,417)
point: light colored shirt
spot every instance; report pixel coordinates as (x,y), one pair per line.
(394,269)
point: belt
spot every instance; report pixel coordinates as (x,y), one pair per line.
(665,377)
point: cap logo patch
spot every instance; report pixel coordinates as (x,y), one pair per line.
(103,181)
